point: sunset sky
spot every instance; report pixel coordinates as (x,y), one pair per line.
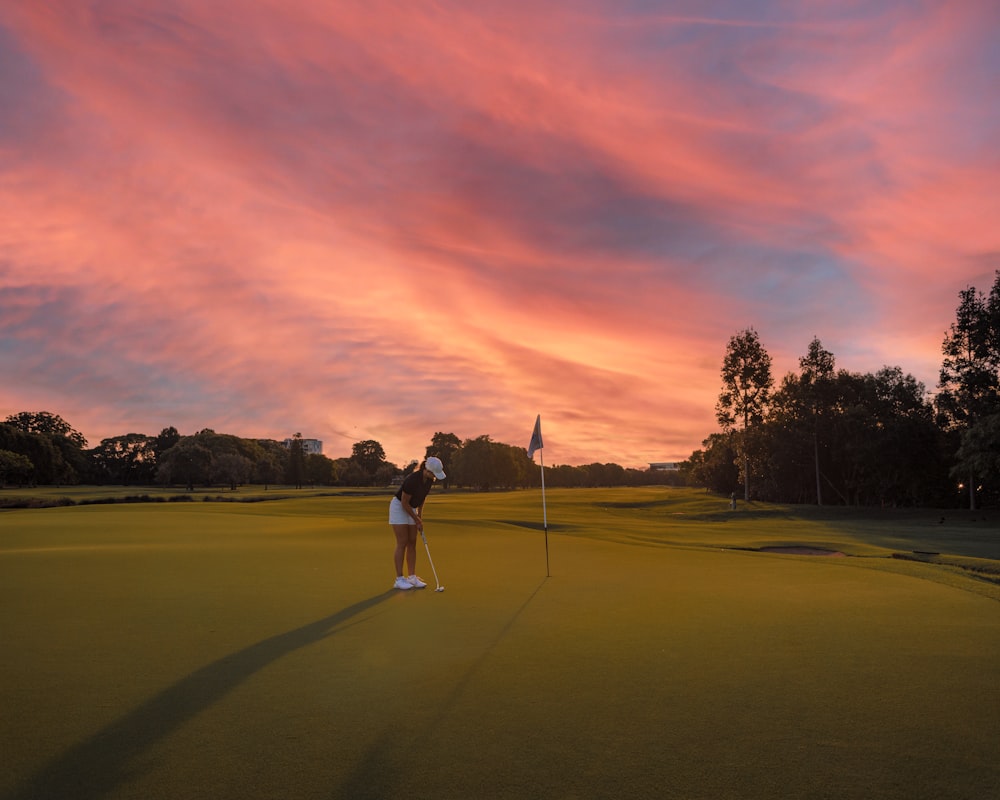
(379,220)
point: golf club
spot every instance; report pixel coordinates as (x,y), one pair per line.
(439,588)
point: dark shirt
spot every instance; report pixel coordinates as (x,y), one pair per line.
(417,487)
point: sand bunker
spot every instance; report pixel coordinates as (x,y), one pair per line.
(801,550)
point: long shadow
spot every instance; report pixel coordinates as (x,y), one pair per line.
(377,775)
(95,767)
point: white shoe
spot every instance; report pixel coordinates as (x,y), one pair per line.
(402,583)
(415,582)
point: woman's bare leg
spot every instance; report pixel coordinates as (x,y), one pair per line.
(402,533)
(411,550)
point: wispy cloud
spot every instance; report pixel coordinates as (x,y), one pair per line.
(362,220)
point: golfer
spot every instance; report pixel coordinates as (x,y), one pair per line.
(405,511)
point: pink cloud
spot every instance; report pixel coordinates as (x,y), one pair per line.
(379,222)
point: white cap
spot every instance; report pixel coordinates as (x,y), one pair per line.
(434,465)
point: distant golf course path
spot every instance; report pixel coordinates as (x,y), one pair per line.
(680,649)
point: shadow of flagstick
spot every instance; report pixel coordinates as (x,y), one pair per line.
(96,766)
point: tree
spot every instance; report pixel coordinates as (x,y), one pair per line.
(320,470)
(14,465)
(797,421)
(267,469)
(188,462)
(270,461)
(352,474)
(222,467)
(385,474)
(47,424)
(49,463)
(53,446)
(504,465)
(126,459)
(979,453)
(884,447)
(232,468)
(368,455)
(969,381)
(563,475)
(167,438)
(599,474)
(528,473)
(746,391)
(903,440)
(296,462)
(715,466)
(817,380)
(444,446)
(484,464)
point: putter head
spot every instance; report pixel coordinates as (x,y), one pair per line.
(439,589)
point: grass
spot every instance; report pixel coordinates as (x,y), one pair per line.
(252,650)
(55,496)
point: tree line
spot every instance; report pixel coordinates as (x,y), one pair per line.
(833,436)
(41,448)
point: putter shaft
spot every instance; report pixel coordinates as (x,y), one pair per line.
(430,560)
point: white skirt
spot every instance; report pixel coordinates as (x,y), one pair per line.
(397,514)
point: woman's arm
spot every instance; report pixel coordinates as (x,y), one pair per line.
(413,512)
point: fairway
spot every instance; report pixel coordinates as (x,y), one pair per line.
(255,650)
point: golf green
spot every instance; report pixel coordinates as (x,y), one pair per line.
(256,650)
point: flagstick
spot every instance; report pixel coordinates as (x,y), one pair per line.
(545,517)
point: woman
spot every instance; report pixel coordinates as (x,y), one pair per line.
(405,517)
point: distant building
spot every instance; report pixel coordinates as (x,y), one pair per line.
(309,446)
(664,466)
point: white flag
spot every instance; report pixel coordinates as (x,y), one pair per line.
(536,437)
